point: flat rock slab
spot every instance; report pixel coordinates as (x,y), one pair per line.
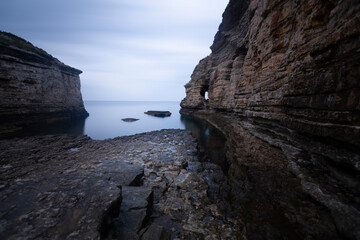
(134,210)
(135,198)
(51,188)
(121,173)
(130,119)
(158,113)
(157,232)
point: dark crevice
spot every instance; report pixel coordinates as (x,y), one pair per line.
(106,220)
(138,180)
(114,226)
(149,211)
(241,51)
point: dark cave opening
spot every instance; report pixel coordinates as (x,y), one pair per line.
(204,92)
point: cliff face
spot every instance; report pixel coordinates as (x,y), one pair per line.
(292,61)
(283,86)
(33,84)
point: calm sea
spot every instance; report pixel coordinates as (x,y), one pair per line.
(105,118)
(105,122)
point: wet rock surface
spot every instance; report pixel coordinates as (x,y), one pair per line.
(287,185)
(73,187)
(49,189)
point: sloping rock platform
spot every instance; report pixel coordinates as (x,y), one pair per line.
(73,187)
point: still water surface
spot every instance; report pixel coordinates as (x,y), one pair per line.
(105,122)
(105,118)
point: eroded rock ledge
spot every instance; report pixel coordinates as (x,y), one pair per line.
(64,187)
(34,85)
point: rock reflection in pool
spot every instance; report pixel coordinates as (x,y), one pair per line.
(45,126)
(211,140)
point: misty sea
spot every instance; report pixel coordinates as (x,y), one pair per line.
(105,118)
(105,121)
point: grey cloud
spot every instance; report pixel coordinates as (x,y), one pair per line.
(127,49)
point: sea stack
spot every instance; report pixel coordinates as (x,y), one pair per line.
(35,86)
(283,84)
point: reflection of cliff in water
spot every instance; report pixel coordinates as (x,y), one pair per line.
(211,140)
(73,126)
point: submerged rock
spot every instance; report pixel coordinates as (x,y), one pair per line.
(130,119)
(158,113)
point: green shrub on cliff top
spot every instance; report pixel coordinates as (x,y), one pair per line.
(9,39)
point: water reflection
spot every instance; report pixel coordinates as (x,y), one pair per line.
(74,126)
(105,118)
(211,140)
(105,122)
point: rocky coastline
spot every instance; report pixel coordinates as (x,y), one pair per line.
(283,89)
(282,86)
(145,186)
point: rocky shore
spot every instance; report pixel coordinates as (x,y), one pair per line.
(145,186)
(282,84)
(285,184)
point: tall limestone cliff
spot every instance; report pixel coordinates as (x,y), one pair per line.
(34,85)
(283,83)
(294,61)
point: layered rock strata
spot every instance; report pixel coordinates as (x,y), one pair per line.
(34,85)
(283,86)
(296,62)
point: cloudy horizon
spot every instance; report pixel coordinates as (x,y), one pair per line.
(127,50)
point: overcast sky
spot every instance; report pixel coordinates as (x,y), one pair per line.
(136,50)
